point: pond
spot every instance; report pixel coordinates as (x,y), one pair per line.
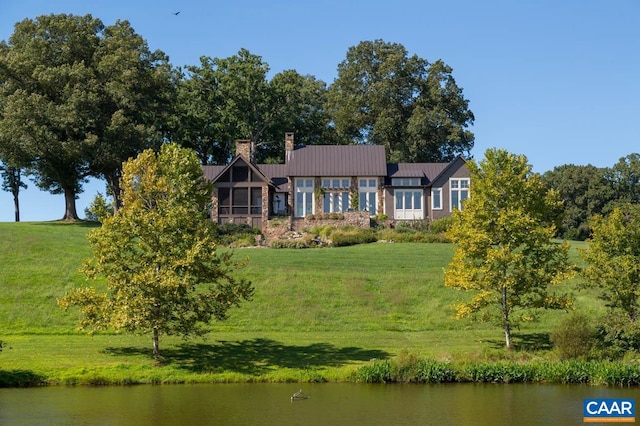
(328,404)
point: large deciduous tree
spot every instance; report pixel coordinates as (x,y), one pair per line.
(613,267)
(585,191)
(224,99)
(136,100)
(77,99)
(415,109)
(504,252)
(625,179)
(164,274)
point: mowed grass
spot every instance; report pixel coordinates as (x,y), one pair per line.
(316,315)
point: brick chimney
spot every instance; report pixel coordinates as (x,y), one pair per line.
(244,147)
(288,146)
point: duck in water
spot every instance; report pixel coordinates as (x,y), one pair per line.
(299,395)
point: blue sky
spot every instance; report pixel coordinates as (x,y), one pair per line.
(556,81)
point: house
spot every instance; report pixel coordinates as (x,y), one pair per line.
(354,182)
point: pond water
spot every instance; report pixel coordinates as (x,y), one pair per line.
(328,404)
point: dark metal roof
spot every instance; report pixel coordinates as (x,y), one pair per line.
(211,172)
(338,160)
(278,175)
(422,170)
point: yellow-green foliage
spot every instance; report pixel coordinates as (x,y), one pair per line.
(163,272)
(613,258)
(505,255)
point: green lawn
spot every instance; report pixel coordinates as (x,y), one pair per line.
(315,312)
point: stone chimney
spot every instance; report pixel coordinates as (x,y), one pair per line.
(244,148)
(288,146)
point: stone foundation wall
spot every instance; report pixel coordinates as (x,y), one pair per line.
(354,218)
(275,228)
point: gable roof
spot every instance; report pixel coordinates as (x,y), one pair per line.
(451,167)
(338,160)
(428,171)
(214,172)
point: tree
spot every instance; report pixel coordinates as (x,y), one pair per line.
(613,267)
(136,90)
(225,99)
(585,191)
(48,91)
(415,109)
(613,259)
(12,182)
(504,250)
(77,99)
(163,272)
(625,178)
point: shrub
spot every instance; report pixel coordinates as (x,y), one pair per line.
(350,237)
(307,241)
(235,234)
(574,336)
(616,334)
(99,209)
(442,225)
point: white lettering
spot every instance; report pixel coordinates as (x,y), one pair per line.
(614,409)
(589,405)
(617,408)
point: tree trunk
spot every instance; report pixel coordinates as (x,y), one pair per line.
(505,319)
(70,212)
(16,205)
(113,183)
(156,343)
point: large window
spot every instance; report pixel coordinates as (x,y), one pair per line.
(336,194)
(335,202)
(459,192)
(367,198)
(236,201)
(304,196)
(408,204)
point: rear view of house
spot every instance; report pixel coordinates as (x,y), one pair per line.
(353,181)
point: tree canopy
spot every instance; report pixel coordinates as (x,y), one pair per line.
(613,267)
(415,109)
(163,271)
(613,259)
(504,252)
(78,98)
(585,191)
(225,99)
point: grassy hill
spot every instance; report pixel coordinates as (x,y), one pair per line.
(314,310)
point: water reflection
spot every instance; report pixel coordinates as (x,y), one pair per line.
(328,404)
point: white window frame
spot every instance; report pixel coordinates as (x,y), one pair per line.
(403,197)
(434,205)
(406,181)
(304,198)
(336,183)
(336,202)
(368,194)
(458,192)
